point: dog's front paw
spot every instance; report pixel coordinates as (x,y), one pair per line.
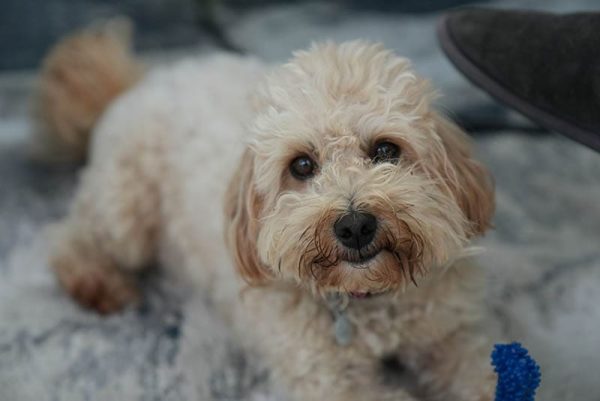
(489,392)
(105,290)
(483,391)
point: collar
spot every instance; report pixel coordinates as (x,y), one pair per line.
(343,330)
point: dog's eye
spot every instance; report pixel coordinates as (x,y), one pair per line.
(303,167)
(385,152)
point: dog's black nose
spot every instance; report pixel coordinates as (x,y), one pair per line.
(355,229)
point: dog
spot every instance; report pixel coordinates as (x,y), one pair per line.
(324,206)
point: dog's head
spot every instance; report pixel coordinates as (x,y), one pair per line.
(353,183)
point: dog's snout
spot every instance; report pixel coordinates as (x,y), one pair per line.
(355,229)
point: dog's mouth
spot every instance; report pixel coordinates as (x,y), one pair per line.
(360,295)
(364,295)
(360,259)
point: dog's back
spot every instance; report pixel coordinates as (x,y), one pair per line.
(162,147)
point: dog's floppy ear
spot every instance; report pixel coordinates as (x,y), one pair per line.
(468,181)
(242,213)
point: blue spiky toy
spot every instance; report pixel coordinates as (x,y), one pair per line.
(518,374)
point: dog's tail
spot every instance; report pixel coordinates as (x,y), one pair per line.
(80,76)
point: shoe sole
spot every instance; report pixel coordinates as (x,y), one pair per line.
(478,77)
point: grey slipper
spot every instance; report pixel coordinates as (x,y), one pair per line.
(546,66)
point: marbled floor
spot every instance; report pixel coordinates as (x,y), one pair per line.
(542,259)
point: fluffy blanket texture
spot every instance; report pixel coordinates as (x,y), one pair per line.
(542,259)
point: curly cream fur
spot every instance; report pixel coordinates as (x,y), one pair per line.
(196,135)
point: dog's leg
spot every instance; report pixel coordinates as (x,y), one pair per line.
(88,273)
(296,338)
(457,368)
(110,233)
